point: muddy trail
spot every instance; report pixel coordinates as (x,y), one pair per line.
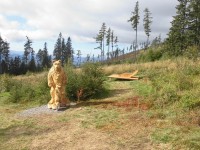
(112,123)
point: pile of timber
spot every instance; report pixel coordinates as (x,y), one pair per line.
(125,76)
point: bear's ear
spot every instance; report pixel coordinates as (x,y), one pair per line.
(59,61)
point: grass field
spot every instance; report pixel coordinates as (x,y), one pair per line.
(160,111)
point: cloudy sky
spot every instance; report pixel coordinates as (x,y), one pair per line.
(43,20)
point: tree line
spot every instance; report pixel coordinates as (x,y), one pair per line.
(183,38)
(34,62)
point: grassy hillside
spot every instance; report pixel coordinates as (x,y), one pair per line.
(171,88)
(159,111)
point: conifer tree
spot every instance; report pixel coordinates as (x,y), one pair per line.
(78,57)
(116,41)
(63,51)
(146,23)
(39,56)
(4,67)
(4,53)
(1,51)
(177,40)
(58,48)
(108,38)
(1,48)
(135,20)
(193,22)
(27,50)
(16,66)
(112,40)
(100,40)
(32,64)
(69,50)
(103,33)
(46,62)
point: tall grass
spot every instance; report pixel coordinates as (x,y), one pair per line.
(168,81)
(172,87)
(23,89)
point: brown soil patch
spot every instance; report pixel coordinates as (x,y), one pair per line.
(132,103)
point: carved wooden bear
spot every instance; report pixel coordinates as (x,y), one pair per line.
(57,82)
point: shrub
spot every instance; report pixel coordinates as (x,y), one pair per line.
(150,55)
(16,92)
(43,91)
(87,83)
(192,52)
(6,83)
(25,91)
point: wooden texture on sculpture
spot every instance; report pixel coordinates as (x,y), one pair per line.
(57,82)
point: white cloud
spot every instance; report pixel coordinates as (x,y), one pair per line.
(80,19)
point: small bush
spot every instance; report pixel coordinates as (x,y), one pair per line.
(6,83)
(16,92)
(150,55)
(42,91)
(87,83)
(192,52)
(23,91)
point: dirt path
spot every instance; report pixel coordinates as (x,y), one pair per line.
(107,124)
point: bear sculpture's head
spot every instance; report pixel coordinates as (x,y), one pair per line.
(57,65)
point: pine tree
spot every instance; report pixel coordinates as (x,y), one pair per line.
(108,38)
(177,40)
(78,57)
(4,53)
(27,50)
(146,23)
(1,51)
(115,42)
(88,58)
(194,22)
(32,64)
(23,68)
(135,20)
(103,33)
(58,48)
(63,51)
(16,66)
(112,40)
(4,67)
(39,57)
(45,62)
(100,40)
(1,48)
(69,50)
(11,66)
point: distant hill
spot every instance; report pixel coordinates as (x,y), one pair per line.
(14,53)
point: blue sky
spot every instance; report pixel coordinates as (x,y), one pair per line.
(43,20)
